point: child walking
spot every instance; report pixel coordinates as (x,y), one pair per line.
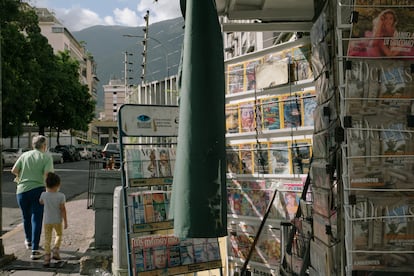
(54,213)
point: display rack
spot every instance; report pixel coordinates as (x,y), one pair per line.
(376,86)
(148,137)
(270,99)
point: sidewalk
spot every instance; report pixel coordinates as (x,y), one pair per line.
(76,249)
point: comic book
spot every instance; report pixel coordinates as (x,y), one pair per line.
(279,158)
(271,113)
(235,78)
(232,118)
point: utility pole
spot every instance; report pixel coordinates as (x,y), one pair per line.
(145,44)
(126,70)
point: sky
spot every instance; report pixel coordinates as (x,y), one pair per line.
(76,15)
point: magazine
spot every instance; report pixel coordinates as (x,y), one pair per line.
(148,207)
(235,78)
(187,252)
(271,113)
(301,68)
(301,155)
(247,116)
(172,159)
(159,206)
(213,249)
(232,118)
(251,66)
(377,34)
(133,163)
(292,111)
(163,160)
(261,159)
(173,251)
(233,159)
(149,163)
(200,250)
(309,106)
(137,208)
(246,158)
(279,158)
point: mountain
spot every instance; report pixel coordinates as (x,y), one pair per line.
(107,44)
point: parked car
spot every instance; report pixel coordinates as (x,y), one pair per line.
(56,156)
(85,153)
(70,153)
(10,156)
(112,150)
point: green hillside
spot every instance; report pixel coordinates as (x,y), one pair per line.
(108,45)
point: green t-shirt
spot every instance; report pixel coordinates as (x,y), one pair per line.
(32,166)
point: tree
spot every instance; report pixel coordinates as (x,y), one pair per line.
(20,67)
(73,107)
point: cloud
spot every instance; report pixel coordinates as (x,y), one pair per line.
(160,10)
(76,19)
(126,17)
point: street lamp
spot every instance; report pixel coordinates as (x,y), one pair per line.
(159,43)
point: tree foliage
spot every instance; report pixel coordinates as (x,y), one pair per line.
(39,87)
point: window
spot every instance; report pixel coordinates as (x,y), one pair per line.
(57,29)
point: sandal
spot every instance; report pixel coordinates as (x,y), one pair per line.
(55,254)
(46,261)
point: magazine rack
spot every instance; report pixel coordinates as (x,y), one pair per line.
(148,136)
(270,99)
(378,156)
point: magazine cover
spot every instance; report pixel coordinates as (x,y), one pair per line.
(232,118)
(138,258)
(292,111)
(213,249)
(200,250)
(382,31)
(172,159)
(247,116)
(159,206)
(301,152)
(309,106)
(133,163)
(187,252)
(267,250)
(301,66)
(251,66)
(148,207)
(149,162)
(261,158)
(246,158)
(173,251)
(279,158)
(235,78)
(233,159)
(164,166)
(291,203)
(271,113)
(160,257)
(138,208)
(234,201)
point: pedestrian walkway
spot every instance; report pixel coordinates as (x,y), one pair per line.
(77,246)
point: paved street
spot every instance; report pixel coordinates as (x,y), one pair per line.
(74,177)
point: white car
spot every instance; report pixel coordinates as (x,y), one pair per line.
(85,153)
(10,156)
(56,156)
